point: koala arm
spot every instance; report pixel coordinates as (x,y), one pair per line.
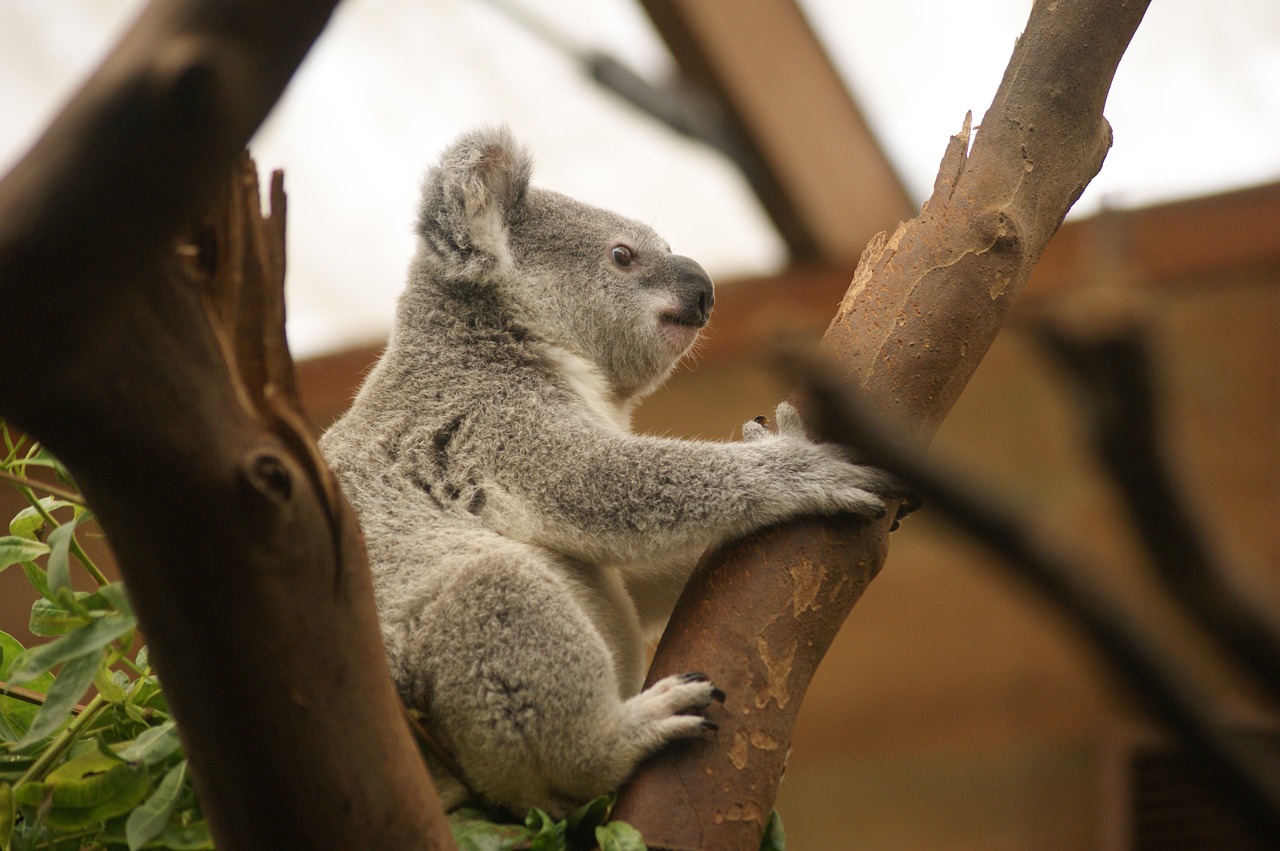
(608,496)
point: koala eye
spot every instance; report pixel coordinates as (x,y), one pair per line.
(622,256)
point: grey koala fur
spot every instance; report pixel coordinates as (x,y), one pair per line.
(523,541)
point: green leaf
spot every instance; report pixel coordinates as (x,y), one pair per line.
(150,819)
(774,838)
(88,790)
(153,745)
(16,715)
(37,577)
(14,549)
(50,619)
(619,836)
(187,832)
(60,552)
(28,521)
(110,596)
(7,815)
(581,824)
(70,685)
(109,686)
(549,834)
(85,640)
(474,831)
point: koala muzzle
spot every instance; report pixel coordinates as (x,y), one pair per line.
(695,291)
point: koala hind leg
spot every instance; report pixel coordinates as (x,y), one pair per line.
(522,684)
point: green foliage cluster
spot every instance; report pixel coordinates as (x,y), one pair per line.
(476,829)
(108,774)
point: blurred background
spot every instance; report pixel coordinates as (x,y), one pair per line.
(770,139)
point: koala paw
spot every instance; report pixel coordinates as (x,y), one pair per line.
(673,707)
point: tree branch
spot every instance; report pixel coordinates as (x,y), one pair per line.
(241,560)
(1250,776)
(923,308)
(1111,363)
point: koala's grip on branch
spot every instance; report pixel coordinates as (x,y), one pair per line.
(924,306)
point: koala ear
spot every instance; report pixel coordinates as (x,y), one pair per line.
(468,199)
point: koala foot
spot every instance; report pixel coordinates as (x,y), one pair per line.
(670,709)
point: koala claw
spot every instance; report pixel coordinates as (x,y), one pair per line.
(710,726)
(718,696)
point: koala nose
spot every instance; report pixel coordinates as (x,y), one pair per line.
(694,288)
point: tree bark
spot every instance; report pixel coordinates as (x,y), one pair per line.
(244,564)
(923,308)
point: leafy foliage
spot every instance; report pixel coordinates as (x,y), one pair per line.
(108,773)
(477,829)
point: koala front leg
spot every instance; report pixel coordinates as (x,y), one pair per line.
(612,497)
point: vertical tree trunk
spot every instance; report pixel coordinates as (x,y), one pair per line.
(244,564)
(924,306)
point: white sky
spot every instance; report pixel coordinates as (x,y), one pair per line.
(1195,105)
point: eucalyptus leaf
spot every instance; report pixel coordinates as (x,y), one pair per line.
(154,745)
(80,642)
(185,832)
(50,619)
(14,549)
(549,834)
(774,838)
(619,836)
(108,686)
(474,831)
(7,815)
(27,521)
(70,685)
(37,577)
(150,819)
(580,825)
(113,596)
(60,540)
(16,715)
(92,797)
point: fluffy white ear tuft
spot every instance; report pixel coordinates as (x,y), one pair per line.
(468,199)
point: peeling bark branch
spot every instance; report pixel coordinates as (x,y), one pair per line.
(923,308)
(241,558)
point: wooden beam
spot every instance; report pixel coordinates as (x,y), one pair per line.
(823,178)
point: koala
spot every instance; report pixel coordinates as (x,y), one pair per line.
(524,542)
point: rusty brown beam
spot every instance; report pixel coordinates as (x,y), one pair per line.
(819,171)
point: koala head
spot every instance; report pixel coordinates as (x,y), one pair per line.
(602,286)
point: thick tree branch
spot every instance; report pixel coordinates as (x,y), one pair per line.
(241,560)
(923,308)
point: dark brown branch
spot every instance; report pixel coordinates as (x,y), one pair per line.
(240,560)
(1111,363)
(1249,775)
(923,308)
(26,695)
